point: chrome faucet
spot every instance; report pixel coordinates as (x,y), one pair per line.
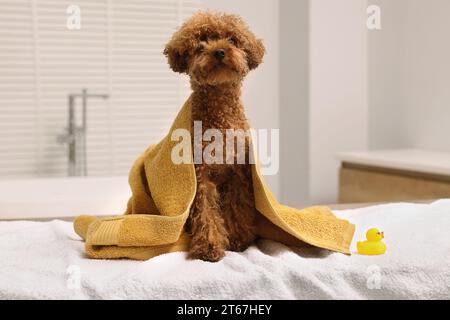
(75,135)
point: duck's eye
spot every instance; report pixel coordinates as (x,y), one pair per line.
(203,38)
(232,40)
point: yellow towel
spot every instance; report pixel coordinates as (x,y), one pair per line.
(162,194)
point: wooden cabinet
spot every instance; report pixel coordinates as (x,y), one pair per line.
(394,175)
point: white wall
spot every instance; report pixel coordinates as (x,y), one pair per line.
(261,91)
(410,75)
(323,94)
(338,115)
(426,74)
(294,100)
(385,93)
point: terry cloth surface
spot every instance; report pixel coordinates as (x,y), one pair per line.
(162,194)
(45,260)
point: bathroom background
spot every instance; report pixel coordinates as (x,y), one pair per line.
(328,82)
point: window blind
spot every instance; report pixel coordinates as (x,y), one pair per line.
(117,51)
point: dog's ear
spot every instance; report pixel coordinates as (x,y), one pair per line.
(176,57)
(255,52)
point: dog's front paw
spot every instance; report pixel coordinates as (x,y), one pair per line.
(207,252)
(240,244)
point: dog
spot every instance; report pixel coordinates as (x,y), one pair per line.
(217,50)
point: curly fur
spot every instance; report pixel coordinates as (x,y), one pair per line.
(223,214)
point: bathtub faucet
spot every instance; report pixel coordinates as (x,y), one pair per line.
(76,135)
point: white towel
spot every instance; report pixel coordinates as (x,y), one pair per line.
(45,260)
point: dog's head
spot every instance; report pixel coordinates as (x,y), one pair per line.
(214,48)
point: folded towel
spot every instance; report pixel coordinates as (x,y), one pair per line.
(162,194)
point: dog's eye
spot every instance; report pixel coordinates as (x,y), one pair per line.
(232,40)
(203,38)
(200,48)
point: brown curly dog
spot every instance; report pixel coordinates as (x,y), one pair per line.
(217,51)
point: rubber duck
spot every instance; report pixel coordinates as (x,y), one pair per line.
(373,245)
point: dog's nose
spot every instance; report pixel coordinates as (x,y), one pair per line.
(219,54)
